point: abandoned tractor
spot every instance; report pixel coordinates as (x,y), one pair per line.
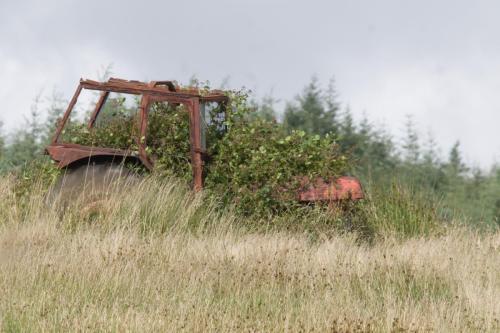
(88,163)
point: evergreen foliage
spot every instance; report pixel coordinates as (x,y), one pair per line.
(26,145)
(311,111)
(265,110)
(55,111)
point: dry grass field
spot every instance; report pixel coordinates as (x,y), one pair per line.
(150,267)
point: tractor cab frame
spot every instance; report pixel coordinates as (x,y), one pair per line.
(194,100)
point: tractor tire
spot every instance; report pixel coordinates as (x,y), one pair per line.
(91,182)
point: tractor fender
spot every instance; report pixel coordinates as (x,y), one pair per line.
(70,155)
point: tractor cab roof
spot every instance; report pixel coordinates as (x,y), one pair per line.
(158,88)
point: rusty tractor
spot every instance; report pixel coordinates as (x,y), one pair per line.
(95,164)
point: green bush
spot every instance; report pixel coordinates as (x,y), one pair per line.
(115,127)
(40,173)
(259,166)
(168,141)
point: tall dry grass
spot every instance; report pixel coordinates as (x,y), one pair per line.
(164,260)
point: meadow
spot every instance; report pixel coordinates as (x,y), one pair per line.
(163,259)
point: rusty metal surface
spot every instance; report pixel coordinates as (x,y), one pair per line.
(343,188)
(195,134)
(143,124)
(161,88)
(65,154)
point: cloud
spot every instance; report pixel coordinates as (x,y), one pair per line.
(439,60)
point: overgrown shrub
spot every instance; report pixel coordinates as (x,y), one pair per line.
(167,141)
(260,167)
(40,173)
(257,165)
(115,135)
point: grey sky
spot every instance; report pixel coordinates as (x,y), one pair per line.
(437,60)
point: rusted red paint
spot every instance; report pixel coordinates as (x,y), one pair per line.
(65,154)
(343,188)
(196,151)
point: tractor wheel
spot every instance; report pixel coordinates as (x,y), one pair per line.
(91,182)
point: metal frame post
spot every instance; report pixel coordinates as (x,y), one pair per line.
(195,137)
(67,113)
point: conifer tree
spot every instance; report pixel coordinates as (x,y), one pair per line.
(309,113)
(411,145)
(26,142)
(348,133)
(455,165)
(431,166)
(332,108)
(54,112)
(266,108)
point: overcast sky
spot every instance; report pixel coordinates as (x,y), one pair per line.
(438,60)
